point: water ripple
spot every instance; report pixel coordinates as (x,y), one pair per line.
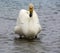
(49,16)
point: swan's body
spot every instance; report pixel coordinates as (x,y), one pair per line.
(26,25)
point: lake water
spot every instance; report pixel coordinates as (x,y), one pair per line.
(49,15)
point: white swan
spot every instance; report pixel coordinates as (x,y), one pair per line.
(28,23)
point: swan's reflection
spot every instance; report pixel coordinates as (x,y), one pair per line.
(28,46)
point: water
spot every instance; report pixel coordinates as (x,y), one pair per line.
(49,16)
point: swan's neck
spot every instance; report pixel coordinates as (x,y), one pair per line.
(31,13)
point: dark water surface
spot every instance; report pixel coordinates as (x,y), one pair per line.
(49,38)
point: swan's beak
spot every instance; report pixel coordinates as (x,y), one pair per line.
(31,7)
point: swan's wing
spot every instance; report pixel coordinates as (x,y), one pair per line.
(22,18)
(35,17)
(36,21)
(23,15)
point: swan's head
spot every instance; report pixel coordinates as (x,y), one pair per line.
(31,8)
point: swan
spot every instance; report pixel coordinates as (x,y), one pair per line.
(28,23)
